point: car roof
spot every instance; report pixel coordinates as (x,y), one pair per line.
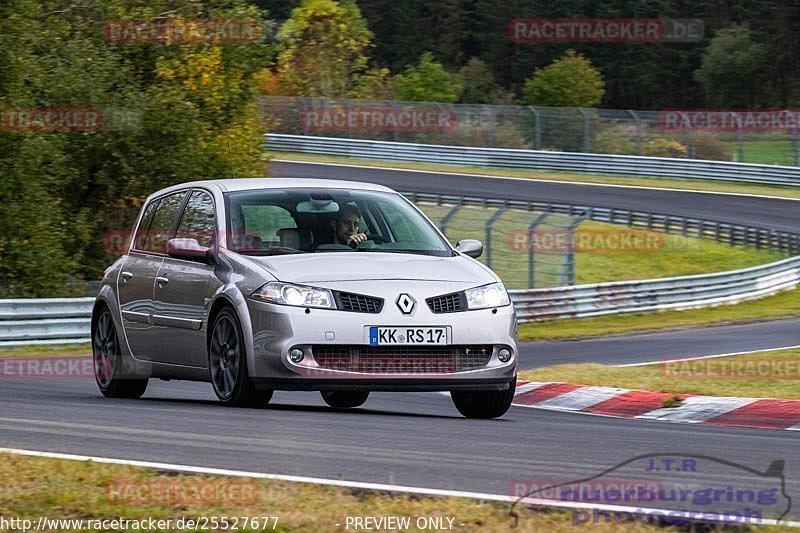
(250,184)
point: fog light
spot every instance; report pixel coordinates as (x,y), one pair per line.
(296,355)
(504,355)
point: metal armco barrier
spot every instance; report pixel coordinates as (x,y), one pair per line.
(617,165)
(683,292)
(45,321)
(67,320)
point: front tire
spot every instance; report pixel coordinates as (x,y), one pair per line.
(108,363)
(227,364)
(344,399)
(484,404)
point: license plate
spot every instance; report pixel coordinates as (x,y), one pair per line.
(385,336)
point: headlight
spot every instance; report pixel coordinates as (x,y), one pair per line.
(492,295)
(298,295)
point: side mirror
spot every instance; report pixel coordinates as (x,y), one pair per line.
(190,250)
(470,247)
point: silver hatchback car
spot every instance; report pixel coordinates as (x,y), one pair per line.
(258,285)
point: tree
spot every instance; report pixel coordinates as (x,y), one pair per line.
(427,81)
(477,82)
(324,46)
(375,84)
(570,81)
(62,192)
(732,68)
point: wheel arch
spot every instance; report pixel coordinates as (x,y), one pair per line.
(238,305)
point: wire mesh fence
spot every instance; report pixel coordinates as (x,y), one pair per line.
(769,137)
(519,264)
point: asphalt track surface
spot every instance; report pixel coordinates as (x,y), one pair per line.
(414,439)
(419,439)
(663,345)
(735,209)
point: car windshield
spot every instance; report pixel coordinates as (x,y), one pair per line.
(291,221)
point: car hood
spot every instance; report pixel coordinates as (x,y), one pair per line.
(362,266)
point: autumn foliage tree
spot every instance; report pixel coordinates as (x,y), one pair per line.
(323,49)
(570,81)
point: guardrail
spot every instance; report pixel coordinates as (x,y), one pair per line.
(617,165)
(683,292)
(45,321)
(67,320)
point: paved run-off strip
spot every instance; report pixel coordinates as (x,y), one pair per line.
(758,413)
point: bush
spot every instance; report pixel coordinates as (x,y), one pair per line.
(660,147)
(708,146)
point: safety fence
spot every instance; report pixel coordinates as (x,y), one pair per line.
(747,136)
(591,163)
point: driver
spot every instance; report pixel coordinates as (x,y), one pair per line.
(345,227)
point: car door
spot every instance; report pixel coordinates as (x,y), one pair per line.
(138,272)
(184,288)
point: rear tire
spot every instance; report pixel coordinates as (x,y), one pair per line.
(344,399)
(484,404)
(227,364)
(108,363)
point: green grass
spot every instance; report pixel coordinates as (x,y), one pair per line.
(24,351)
(689,377)
(783,304)
(63,489)
(767,152)
(657,255)
(694,185)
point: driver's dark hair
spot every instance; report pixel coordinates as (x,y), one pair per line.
(345,209)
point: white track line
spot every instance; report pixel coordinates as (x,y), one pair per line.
(529,180)
(349,484)
(700,357)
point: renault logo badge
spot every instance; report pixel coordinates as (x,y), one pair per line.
(405,303)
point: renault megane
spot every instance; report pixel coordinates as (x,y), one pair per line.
(345,288)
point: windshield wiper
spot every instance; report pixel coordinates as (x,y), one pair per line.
(398,251)
(271,250)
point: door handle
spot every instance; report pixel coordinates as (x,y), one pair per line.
(126,276)
(161,280)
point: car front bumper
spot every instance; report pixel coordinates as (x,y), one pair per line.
(277,329)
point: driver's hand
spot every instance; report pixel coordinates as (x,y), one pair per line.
(356,239)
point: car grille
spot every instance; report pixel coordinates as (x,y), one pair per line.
(402,359)
(358,303)
(447,303)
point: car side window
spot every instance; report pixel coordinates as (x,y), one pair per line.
(264,221)
(143,231)
(163,221)
(198,219)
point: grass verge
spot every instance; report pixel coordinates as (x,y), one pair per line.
(42,349)
(783,304)
(62,489)
(729,376)
(604,252)
(694,185)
